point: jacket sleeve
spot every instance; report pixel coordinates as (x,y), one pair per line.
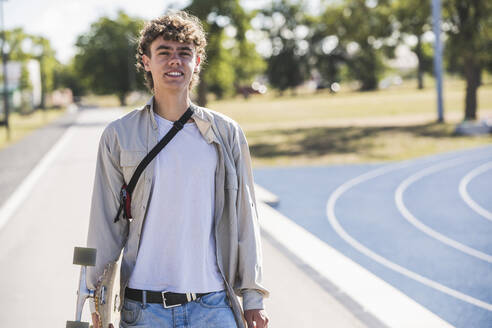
(249,279)
(105,235)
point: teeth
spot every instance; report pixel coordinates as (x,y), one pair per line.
(174,73)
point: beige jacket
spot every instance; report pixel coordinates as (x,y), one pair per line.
(123,145)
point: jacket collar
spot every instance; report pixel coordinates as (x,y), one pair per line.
(202,117)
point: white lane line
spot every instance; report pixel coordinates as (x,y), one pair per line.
(330,209)
(20,194)
(421,226)
(373,294)
(466,196)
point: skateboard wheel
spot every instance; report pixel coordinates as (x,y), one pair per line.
(84,256)
(77,324)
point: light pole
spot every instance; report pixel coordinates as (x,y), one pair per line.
(436,18)
(5,79)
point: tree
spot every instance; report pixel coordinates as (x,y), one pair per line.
(106,56)
(327,51)
(42,51)
(469,29)
(65,76)
(248,64)
(14,51)
(226,67)
(354,32)
(285,24)
(366,25)
(414,19)
(24,47)
(220,75)
(15,39)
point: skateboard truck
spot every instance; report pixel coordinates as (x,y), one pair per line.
(84,257)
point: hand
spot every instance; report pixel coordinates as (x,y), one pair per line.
(256,318)
(95,321)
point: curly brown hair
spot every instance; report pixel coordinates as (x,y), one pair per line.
(174,26)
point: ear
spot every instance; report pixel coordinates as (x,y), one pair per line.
(197,65)
(146,62)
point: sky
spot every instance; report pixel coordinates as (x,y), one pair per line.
(61,21)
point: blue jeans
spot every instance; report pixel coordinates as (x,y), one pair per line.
(210,311)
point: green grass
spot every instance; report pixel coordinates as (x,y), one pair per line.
(23,125)
(353,127)
(322,108)
(336,145)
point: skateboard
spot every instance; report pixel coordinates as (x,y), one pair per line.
(105,295)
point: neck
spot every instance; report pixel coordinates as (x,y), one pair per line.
(171,106)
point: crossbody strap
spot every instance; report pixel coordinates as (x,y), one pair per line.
(127,190)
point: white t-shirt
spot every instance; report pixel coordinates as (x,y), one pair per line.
(177,249)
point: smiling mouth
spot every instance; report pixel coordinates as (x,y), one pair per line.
(174,74)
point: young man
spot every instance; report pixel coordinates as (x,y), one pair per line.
(193,242)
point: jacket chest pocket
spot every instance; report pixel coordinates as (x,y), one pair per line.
(129,160)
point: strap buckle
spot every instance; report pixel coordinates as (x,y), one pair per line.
(164,301)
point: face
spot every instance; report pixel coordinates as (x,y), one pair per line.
(171,63)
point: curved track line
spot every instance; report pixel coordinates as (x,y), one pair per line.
(464,192)
(330,209)
(421,226)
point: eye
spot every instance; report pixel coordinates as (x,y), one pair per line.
(163,53)
(186,54)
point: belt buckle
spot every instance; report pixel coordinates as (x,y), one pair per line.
(164,301)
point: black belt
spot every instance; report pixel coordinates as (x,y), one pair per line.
(167,299)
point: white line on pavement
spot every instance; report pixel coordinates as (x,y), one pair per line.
(421,226)
(377,297)
(464,192)
(380,309)
(21,193)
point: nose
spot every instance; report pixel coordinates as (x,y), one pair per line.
(175,60)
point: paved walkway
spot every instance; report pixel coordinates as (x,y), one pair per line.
(17,160)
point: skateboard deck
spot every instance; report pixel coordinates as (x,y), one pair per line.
(106,297)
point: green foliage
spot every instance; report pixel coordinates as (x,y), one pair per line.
(366,66)
(288,65)
(219,76)
(426,56)
(15,39)
(106,56)
(328,55)
(66,77)
(248,64)
(366,27)
(286,70)
(349,39)
(25,83)
(47,61)
(24,47)
(232,66)
(469,29)
(414,18)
